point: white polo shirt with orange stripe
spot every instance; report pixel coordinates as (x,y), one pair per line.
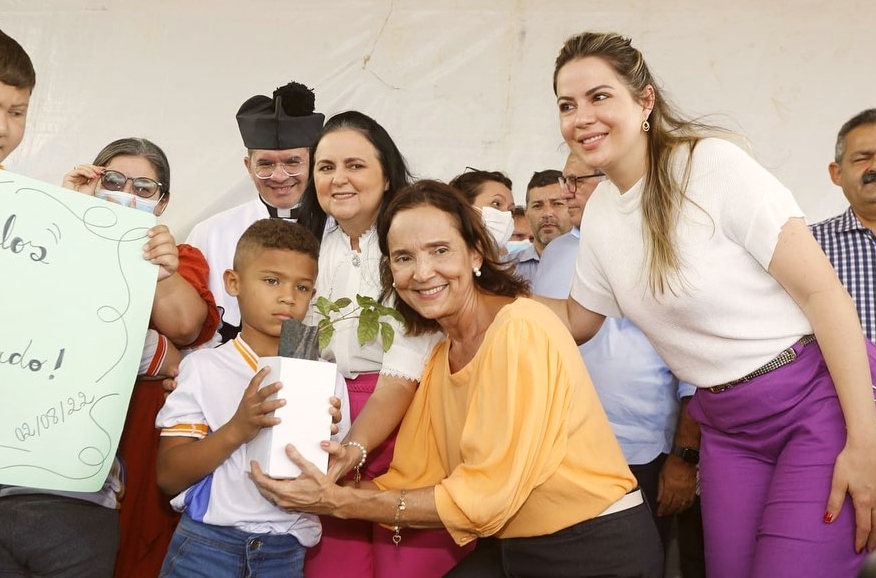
(210,385)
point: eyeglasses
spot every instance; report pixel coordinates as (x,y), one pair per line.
(142,186)
(288,168)
(491,174)
(571,182)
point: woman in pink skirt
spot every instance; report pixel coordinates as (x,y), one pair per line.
(356,171)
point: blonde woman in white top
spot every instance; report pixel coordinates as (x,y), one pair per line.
(710,256)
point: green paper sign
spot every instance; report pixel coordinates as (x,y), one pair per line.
(75,300)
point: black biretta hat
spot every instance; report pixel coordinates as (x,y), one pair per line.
(286,121)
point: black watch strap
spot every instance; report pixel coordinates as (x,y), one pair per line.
(690,455)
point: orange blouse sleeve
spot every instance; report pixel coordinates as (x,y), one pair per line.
(194,268)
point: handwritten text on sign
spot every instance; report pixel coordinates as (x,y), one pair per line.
(75,299)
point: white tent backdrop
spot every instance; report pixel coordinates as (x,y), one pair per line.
(455,82)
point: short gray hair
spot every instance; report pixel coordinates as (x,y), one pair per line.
(862,118)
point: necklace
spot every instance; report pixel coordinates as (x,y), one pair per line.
(349,272)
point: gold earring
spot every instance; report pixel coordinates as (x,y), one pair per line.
(646,126)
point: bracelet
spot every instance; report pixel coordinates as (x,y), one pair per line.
(357,474)
(399,508)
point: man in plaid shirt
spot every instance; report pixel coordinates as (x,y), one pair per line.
(849,239)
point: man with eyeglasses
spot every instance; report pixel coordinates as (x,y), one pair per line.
(278,133)
(577,183)
(644,402)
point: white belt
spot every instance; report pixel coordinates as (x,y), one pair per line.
(628,501)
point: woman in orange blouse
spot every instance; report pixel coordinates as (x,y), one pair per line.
(505,440)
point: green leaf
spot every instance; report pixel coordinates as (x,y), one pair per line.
(368,326)
(366,302)
(387,335)
(323,305)
(325,333)
(369,313)
(391,312)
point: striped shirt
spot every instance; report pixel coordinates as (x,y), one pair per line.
(851,248)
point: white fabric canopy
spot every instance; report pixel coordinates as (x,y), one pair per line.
(455,82)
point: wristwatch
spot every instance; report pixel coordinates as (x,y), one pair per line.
(690,455)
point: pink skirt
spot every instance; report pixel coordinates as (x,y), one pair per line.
(360,549)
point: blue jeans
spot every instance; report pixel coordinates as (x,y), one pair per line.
(203,550)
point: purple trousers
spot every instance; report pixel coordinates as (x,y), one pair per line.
(767,457)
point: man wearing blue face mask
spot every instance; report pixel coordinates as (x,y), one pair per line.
(522,236)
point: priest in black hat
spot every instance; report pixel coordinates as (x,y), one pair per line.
(278,133)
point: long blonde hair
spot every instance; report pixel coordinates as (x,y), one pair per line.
(664,192)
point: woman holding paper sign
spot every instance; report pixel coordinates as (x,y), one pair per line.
(135,172)
(505,438)
(357,169)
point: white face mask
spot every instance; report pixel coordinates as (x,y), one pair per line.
(500,224)
(128,200)
(517,246)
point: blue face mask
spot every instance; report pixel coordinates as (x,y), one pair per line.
(128,200)
(517,246)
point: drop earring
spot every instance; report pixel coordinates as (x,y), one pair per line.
(646,126)
(477,272)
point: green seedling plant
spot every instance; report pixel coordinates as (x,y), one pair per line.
(370,313)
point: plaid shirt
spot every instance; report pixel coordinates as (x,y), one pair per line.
(851,248)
